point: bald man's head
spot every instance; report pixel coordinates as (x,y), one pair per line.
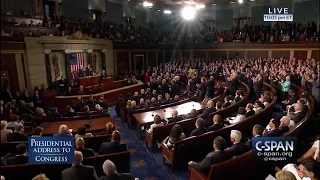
(78,157)
(115,136)
(80,142)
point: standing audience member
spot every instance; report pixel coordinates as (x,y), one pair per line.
(157,123)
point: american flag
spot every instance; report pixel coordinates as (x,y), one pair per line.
(76,61)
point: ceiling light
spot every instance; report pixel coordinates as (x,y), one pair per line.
(240,1)
(188,13)
(167,11)
(232,2)
(214,4)
(252,0)
(200,6)
(159,10)
(147,4)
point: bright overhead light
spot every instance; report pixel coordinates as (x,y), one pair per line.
(214,4)
(147,4)
(200,6)
(240,1)
(188,13)
(159,10)
(167,11)
(252,0)
(232,2)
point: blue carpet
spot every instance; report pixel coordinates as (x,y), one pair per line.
(143,164)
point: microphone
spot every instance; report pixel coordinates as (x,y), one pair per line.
(155,110)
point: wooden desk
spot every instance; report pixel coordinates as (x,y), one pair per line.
(99,124)
(90,81)
(107,84)
(111,96)
(145,118)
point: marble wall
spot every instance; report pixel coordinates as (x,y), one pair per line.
(56,47)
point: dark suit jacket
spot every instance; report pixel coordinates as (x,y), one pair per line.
(277,132)
(203,90)
(198,131)
(17,137)
(233,85)
(207,111)
(211,159)
(79,172)
(210,88)
(226,104)
(17,160)
(112,147)
(250,113)
(175,119)
(118,176)
(257,87)
(237,149)
(293,99)
(215,127)
(86,152)
(298,117)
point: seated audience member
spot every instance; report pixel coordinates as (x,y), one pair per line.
(238,147)
(40,177)
(114,145)
(200,128)
(20,157)
(218,105)
(240,116)
(37,132)
(265,101)
(307,170)
(293,98)
(86,152)
(274,131)
(64,131)
(298,112)
(206,99)
(82,132)
(110,171)
(226,102)
(109,129)
(285,175)
(4,131)
(176,135)
(28,120)
(80,104)
(81,91)
(312,153)
(175,118)
(176,98)
(249,110)
(156,123)
(133,106)
(70,112)
(192,114)
(219,90)
(217,123)
(257,131)
(257,107)
(55,112)
(40,114)
(128,105)
(14,121)
(210,109)
(238,96)
(218,155)
(17,135)
(78,171)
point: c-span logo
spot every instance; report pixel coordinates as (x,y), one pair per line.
(274,149)
(51,150)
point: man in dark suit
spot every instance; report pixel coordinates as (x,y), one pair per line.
(193,84)
(17,135)
(200,129)
(81,73)
(257,131)
(89,70)
(218,155)
(226,102)
(86,152)
(175,118)
(210,87)
(7,96)
(20,156)
(217,123)
(273,124)
(233,85)
(210,109)
(114,146)
(298,112)
(175,88)
(257,86)
(78,171)
(110,171)
(219,89)
(103,75)
(293,98)
(237,148)
(250,111)
(202,88)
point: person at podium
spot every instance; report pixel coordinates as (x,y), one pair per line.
(81,73)
(89,70)
(103,75)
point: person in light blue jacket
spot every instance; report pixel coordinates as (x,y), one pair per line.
(285,86)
